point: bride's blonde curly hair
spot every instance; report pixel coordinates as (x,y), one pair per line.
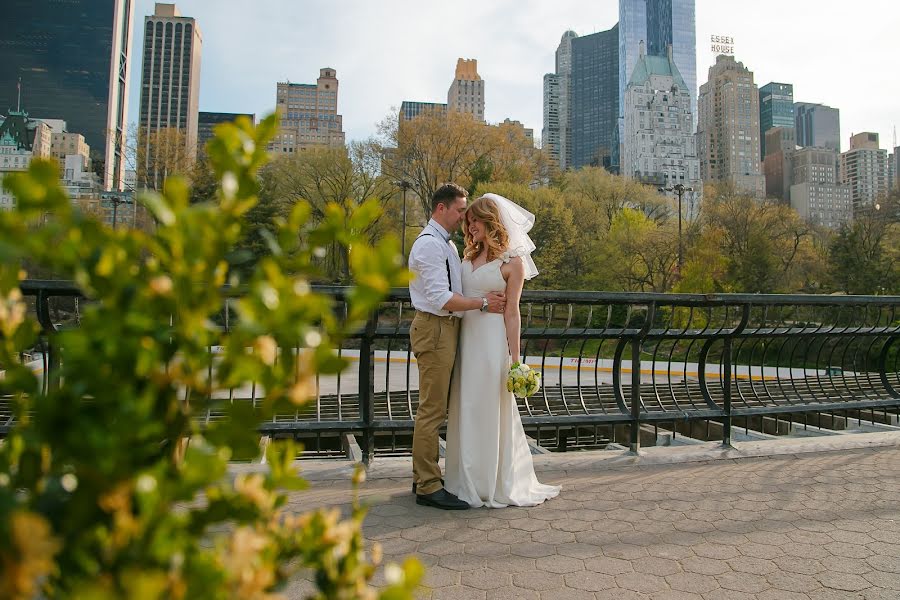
(496,238)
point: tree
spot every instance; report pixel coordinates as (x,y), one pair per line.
(863,256)
(161,154)
(607,194)
(705,267)
(762,241)
(641,254)
(434,148)
(326,178)
(100,497)
(203,181)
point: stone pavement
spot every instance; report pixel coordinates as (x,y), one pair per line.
(786,519)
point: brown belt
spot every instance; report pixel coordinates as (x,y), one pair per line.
(428,315)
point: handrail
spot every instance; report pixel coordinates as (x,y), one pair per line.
(670,358)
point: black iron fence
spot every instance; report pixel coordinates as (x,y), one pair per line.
(617,368)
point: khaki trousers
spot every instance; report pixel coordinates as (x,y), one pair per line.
(433,340)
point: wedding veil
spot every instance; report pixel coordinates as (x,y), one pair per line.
(518,222)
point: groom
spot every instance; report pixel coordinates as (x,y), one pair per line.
(436,294)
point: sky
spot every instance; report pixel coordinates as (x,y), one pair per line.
(834,52)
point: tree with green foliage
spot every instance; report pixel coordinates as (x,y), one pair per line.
(640,254)
(327,177)
(100,494)
(763,242)
(434,148)
(864,257)
(705,267)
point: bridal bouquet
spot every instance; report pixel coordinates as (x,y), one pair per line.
(522,380)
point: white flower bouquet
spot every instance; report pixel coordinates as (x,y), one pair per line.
(522,380)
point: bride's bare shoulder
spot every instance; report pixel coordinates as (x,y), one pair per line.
(512,264)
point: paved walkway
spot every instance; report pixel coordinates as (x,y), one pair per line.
(779,520)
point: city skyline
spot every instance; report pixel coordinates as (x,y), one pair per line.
(70,62)
(514,44)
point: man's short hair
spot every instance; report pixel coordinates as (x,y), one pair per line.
(447,194)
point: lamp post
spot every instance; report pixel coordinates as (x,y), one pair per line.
(403,185)
(116,201)
(679,190)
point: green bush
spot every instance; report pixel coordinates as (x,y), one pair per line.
(101,494)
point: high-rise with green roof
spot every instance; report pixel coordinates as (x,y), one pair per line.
(658,145)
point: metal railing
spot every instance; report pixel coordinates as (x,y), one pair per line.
(616,367)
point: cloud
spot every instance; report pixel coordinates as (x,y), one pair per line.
(387,51)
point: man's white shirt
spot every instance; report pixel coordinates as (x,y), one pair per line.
(429,258)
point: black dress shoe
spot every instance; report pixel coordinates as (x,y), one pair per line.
(442,499)
(415,486)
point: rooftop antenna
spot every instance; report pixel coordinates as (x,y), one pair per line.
(895,136)
(19,97)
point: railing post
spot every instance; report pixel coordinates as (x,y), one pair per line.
(367,387)
(726,383)
(52,361)
(636,403)
(636,394)
(883,368)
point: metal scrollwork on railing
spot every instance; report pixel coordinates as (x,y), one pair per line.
(615,366)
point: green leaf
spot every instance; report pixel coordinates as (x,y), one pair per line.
(237,430)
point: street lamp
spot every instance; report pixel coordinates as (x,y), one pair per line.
(116,201)
(679,189)
(403,185)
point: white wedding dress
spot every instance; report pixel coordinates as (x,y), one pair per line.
(488,462)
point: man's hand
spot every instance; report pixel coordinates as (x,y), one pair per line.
(496,302)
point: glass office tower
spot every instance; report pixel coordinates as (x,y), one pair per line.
(658,23)
(594,98)
(206,125)
(776,109)
(72,59)
(817,125)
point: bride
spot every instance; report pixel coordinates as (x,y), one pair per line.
(488,462)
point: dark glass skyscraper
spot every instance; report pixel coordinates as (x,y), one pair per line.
(72,58)
(776,109)
(818,126)
(206,125)
(594,97)
(658,23)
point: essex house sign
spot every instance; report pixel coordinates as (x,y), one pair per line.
(722,44)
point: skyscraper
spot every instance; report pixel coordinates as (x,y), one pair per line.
(659,24)
(410,109)
(551,130)
(73,62)
(206,124)
(864,167)
(557,134)
(170,81)
(892,171)
(896,182)
(776,109)
(564,72)
(815,193)
(728,127)
(594,97)
(659,146)
(308,114)
(466,93)
(817,125)
(780,145)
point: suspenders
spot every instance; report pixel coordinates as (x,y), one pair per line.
(449,283)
